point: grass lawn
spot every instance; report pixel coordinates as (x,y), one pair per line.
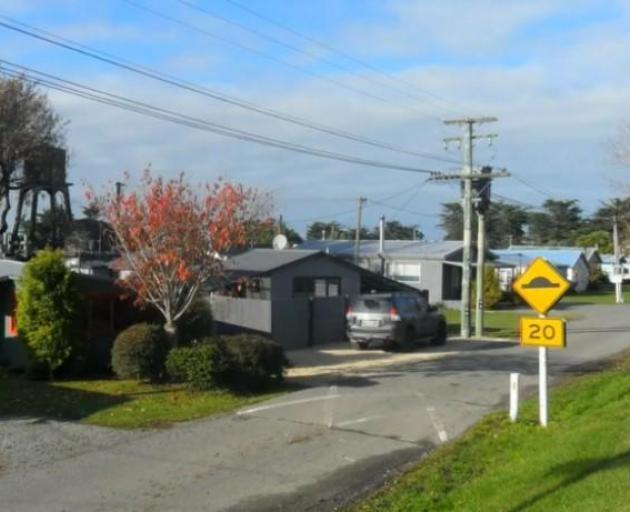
(581,462)
(498,324)
(606,296)
(119,404)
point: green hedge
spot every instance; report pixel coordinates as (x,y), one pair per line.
(243,362)
(139,353)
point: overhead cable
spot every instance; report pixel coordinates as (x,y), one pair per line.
(159,76)
(100,96)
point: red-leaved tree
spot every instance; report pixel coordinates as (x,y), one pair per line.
(171,236)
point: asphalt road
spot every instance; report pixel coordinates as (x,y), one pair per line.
(311,450)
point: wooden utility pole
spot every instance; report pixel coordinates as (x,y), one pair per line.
(357,235)
(467,143)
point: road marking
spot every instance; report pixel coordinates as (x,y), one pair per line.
(439,426)
(357,421)
(328,407)
(286,404)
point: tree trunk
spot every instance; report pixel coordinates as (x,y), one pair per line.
(170,328)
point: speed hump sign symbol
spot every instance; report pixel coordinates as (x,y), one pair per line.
(541,286)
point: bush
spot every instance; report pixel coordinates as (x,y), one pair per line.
(178,363)
(242,362)
(492,293)
(139,353)
(196,323)
(47,310)
(202,366)
(257,360)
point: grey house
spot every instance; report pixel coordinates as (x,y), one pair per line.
(298,297)
(431,266)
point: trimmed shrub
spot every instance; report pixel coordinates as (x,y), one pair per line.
(243,362)
(139,353)
(202,366)
(196,323)
(47,309)
(178,362)
(257,361)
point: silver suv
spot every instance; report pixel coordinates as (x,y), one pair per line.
(393,319)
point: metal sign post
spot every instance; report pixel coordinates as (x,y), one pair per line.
(542,286)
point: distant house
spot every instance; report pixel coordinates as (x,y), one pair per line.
(594,259)
(104,312)
(431,266)
(608,266)
(297,297)
(570,262)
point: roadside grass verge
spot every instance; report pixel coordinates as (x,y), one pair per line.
(581,462)
(118,404)
(596,297)
(500,324)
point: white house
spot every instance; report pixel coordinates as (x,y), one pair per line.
(570,262)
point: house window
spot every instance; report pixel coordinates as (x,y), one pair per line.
(316,286)
(405,272)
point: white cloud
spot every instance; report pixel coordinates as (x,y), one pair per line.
(558,104)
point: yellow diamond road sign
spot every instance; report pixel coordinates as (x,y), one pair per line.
(541,286)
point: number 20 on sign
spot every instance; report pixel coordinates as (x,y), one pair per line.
(543,332)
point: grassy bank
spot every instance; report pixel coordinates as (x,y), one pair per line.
(581,462)
(499,324)
(119,404)
(596,297)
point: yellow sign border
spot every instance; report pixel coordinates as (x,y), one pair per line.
(560,327)
(566,284)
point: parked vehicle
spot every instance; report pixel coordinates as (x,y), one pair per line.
(394,319)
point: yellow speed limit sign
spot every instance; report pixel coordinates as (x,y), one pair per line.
(543,332)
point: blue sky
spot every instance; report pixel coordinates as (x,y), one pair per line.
(555,73)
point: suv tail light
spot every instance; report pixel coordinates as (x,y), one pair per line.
(394,316)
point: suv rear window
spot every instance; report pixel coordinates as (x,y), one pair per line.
(381,305)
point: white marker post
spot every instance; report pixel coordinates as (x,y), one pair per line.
(514,390)
(542,385)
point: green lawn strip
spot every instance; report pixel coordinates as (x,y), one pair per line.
(596,297)
(500,324)
(581,462)
(118,404)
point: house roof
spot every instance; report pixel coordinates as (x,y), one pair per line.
(11,269)
(558,257)
(609,259)
(404,249)
(261,261)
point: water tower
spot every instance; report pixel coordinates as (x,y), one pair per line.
(44,171)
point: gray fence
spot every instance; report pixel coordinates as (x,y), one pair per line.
(294,323)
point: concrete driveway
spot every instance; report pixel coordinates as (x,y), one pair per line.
(339,358)
(312,450)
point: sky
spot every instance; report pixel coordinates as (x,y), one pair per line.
(554,73)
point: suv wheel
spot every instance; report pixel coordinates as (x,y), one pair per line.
(440,336)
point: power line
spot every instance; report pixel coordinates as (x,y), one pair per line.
(398,208)
(534,188)
(351,58)
(260,53)
(86,92)
(415,193)
(127,65)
